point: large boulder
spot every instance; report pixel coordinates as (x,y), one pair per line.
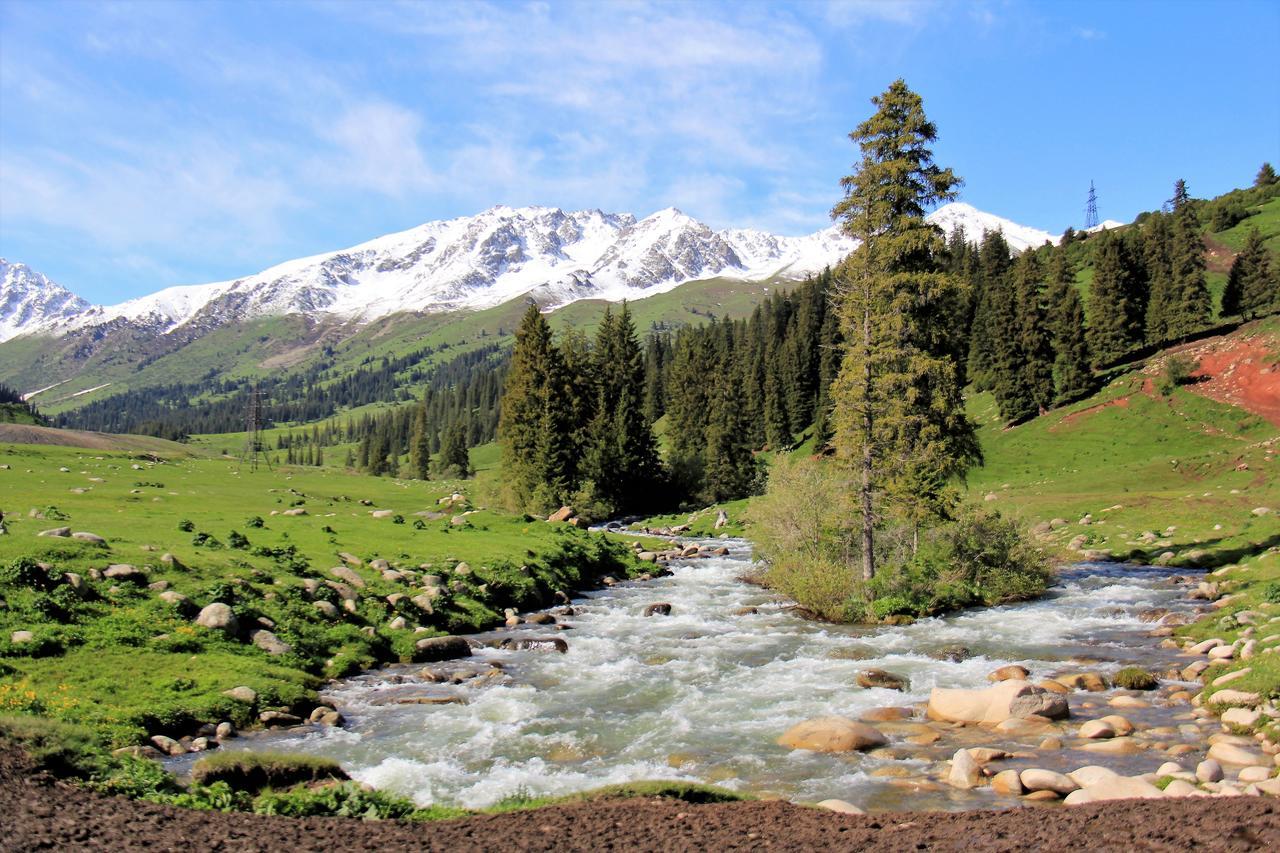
(1013,699)
(832,734)
(1035,779)
(441,648)
(218,617)
(124,572)
(269,642)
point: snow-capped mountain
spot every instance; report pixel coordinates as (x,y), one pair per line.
(471,263)
(29,300)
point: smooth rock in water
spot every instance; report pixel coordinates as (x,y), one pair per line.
(1011,672)
(1053,686)
(1181,788)
(218,617)
(168,745)
(660,608)
(1097,729)
(269,642)
(838,806)
(832,734)
(965,772)
(1114,746)
(1008,699)
(1117,788)
(1050,743)
(272,719)
(441,648)
(536,644)
(871,678)
(953,653)
(1229,753)
(1089,681)
(1007,782)
(1036,779)
(1254,774)
(1120,724)
(1091,775)
(1128,702)
(325,716)
(887,715)
(243,694)
(547,618)
(225,730)
(60,532)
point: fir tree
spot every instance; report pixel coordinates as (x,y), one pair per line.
(1071,376)
(728,461)
(420,455)
(1024,360)
(777,426)
(534,429)
(1252,288)
(1189,309)
(1161,301)
(455,461)
(899,403)
(1266,176)
(1112,332)
(992,309)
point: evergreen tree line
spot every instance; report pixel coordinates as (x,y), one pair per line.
(13,409)
(1028,339)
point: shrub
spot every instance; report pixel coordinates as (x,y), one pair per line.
(25,572)
(346,800)
(237,540)
(255,522)
(186,526)
(1271,592)
(252,771)
(1135,678)
(1177,371)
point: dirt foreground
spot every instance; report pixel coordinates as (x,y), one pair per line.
(38,813)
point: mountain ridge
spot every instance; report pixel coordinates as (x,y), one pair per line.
(468,263)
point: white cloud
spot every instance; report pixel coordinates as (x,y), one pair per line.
(379,149)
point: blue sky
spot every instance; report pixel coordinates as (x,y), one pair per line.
(150,144)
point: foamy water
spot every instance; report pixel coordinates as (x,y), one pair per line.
(702,694)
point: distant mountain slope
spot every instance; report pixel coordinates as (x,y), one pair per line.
(471,263)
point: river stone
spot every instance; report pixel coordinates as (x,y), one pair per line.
(660,608)
(1181,788)
(1114,746)
(965,772)
(1007,782)
(870,678)
(1243,717)
(1008,699)
(832,734)
(887,715)
(954,653)
(1235,697)
(1013,672)
(1097,729)
(840,806)
(1090,681)
(1036,779)
(441,648)
(1121,724)
(272,719)
(218,617)
(224,730)
(1128,702)
(1229,753)
(1117,788)
(168,745)
(536,644)
(1091,775)
(1254,774)
(1053,686)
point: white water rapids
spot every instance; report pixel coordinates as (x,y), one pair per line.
(702,694)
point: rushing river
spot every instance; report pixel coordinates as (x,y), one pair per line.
(702,694)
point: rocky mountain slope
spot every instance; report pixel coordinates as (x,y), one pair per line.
(467,263)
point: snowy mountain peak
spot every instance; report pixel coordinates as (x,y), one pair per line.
(29,299)
(502,253)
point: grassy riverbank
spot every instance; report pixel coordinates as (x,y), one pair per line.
(119,651)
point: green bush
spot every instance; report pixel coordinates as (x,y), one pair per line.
(24,572)
(253,771)
(1271,592)
(345,800)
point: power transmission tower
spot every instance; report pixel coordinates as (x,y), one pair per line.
(253,449)
(1091,210)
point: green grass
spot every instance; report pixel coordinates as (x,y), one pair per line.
(117,658)
(253,771)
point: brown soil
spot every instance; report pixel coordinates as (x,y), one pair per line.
(41,814)
(1244,374)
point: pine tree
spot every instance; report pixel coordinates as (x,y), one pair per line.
(728,462)
(1071,375)
(1161,299)
(1190,308)
(455,461)
(1252,288)
(899,404)
(1266,176)
(420,456)
(992,311)
(777,426)
(1112,332)
(1024,359)
(534,428)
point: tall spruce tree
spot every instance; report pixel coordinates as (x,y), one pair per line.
(729,466)
(1112,332)
(1024,359)
(1190,308)
(1253,288)
(420,454)
(1266,176)
(455,461)
(1161,301)
(992,309)
(899,405)
(1072,378)
(535,428)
